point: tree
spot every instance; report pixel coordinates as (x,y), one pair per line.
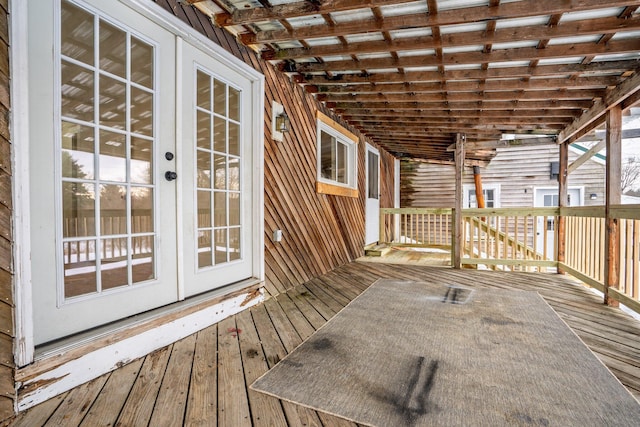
(630,174)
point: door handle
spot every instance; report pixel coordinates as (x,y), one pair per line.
(170,175)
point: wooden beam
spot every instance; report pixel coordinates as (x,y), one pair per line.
(474,74)
(384,114)
(504,143)
(613,197)
(484,97)
(595,114)
(526,33)
(454,106)
(502,55)
(598,82)
(586,156)
(421,20)
(458,237)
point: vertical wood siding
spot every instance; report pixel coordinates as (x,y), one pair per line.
(7,389)
(518,170)
(320,232)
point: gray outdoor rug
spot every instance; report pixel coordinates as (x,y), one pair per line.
(423,354)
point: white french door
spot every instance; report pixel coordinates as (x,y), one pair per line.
(140,143)
(218,178)
(372,214)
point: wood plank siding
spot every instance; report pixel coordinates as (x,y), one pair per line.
(518,170)
(320,232)
(7,387)
(204,378)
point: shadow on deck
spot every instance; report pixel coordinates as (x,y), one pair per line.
(203,379)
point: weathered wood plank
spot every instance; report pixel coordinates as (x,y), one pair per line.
(141,401)
(76,404)
(202,404)
(265,410)
(105,409)
(233,405)
(172,398)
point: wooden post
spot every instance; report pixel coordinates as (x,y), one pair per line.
(562,202)
(458,235)
(477,179)
(613,197)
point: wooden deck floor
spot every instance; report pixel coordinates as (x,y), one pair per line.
(203,379)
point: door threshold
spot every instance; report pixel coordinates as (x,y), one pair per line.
(66,363)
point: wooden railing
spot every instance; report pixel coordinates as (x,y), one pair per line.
(417,227)
(526,239)
(507,238)
(586,252)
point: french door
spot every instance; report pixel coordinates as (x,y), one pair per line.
(372,214)
(138,146)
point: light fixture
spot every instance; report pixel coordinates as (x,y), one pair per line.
(593,196)
(282,122)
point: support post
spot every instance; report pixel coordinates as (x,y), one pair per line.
(458,235)
(613,197)
(477,179)
(563,201)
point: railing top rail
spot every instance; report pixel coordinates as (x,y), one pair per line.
(583,211)
(410,211)
(521,211)
(625,211)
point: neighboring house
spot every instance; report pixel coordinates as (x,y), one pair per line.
(147,196)
(515,177)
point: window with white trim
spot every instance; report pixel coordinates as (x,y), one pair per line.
(491,196)
(337,157)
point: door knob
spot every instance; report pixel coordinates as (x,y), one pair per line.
(170,175)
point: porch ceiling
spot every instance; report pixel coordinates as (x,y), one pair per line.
(412,74)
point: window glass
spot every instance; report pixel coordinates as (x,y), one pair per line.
(336,157)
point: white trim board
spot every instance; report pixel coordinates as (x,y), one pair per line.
(105,359)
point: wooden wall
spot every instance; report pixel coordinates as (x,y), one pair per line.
(320,232)
(518,170)
(7,389)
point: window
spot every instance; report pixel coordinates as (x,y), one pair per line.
(491,196)
(337,159)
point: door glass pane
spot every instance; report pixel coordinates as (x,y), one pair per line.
(372,174)
(141,111)
(143,264)
(141,160)
(78,209)
(204,169)
(220,172)
(203,90)
(220,209)
(113,102)
(204,209)
(220,134)
(204,130)
(77,97)
(234,139)
(219,98)
(234,173)
(113,49)
(141,210)
(80,267)
(221,246)
(234,243)
(113,156)
(205,255)
(234,104)
(77,33)
(108,191)
(234,208)
(78,144)
(141,63)
(113,263)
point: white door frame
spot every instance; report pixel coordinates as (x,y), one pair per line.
(24,349)
(371,219)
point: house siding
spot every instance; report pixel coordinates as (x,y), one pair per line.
(7,366)
(320,232)
(518,171)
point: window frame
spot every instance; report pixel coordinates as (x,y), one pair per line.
(340,135)
(486,187)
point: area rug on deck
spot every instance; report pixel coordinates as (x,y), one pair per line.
(421,354)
